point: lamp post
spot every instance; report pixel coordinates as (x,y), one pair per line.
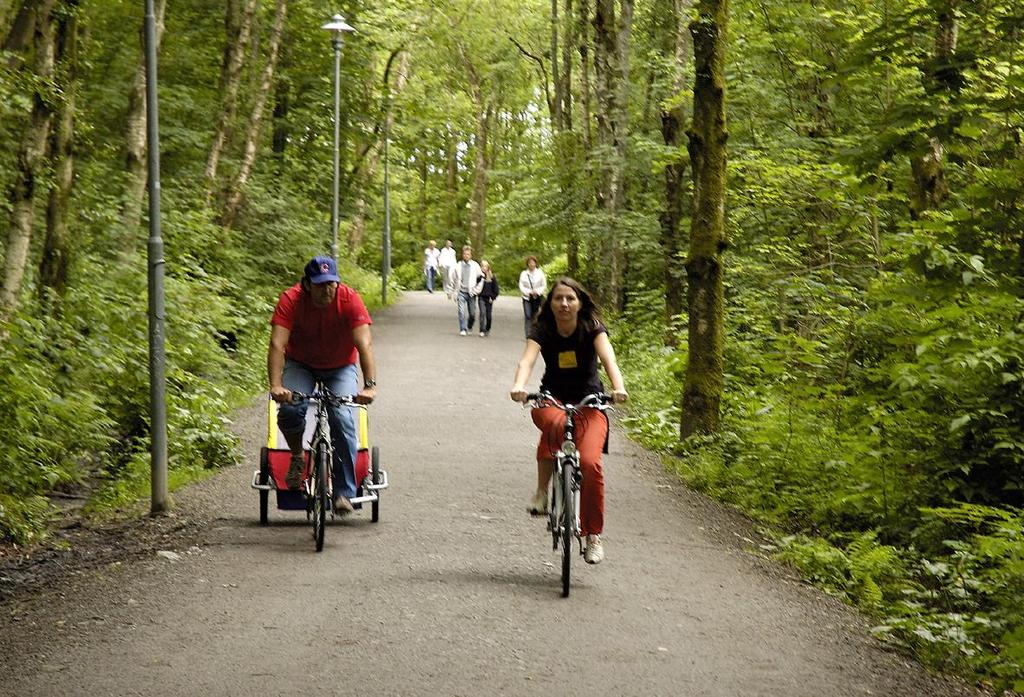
(155,262)
(385,260)
(337,27)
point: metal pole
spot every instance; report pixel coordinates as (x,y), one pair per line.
(337,132)
(155,261)
(386,257)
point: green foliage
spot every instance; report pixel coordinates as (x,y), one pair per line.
(23,519)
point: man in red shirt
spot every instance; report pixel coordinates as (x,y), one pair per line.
(318,328)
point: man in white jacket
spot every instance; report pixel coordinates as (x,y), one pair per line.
(467,280)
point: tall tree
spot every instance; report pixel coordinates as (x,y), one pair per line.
(17,28)
(30,159)
(611,68)
(135,136)
(53,270)
(237,191)
(484,110)
(238,21)
(702,392)
(942,76)
(673,123)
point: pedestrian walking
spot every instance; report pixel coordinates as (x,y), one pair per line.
(466,279)
(488,294)
(446,262)
(532,287)
(431,264)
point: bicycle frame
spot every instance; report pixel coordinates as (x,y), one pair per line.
(566,459)
(320,436)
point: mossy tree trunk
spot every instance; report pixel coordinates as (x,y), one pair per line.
(53,270)
(238,21)
(236,193)
(611,69)
(702,394)
(941,75)
(673,123)
(30,159)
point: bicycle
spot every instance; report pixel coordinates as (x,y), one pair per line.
(566,479)
(317,486)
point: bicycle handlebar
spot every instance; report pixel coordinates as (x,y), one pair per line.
(597,400)
(347,400)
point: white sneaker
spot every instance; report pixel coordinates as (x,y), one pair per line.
(538,505)
(482,334)
(594,552)
(462,333)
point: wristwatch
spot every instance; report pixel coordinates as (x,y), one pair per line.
(371,383)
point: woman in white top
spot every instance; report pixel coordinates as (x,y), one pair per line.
(532,286)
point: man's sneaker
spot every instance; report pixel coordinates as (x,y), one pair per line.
(342,506)
(483,334)
(462,333)
(538,505)
(594,552)
(293,480)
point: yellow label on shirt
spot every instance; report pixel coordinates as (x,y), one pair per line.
(567,359)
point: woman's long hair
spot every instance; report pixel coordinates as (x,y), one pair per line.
(589,316)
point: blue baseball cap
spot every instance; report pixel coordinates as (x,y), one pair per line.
(322,270)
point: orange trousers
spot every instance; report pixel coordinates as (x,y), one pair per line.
(591,434)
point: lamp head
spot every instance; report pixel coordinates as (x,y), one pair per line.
(338,27)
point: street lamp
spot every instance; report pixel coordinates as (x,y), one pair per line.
(155,261)
(337,27)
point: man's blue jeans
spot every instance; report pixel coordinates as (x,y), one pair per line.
(431,274)
(292,417)
(467,306)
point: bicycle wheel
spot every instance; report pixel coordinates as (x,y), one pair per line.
(319,491)
(568,526)
(375,478)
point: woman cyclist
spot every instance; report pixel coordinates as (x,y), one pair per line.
(569,334)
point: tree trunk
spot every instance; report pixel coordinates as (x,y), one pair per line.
(673,121)
(702,393)
(583,21)
(256,120)
(357,229)
(556,82)
(451,217)
(30,156)
(423,170)
(17,30)
(53,270)
(478,200)
(7,18)
(282,104)
(941,75)
(611,67)
(135,138)
(238,22)
(569,47)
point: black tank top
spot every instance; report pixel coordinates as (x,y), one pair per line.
(570,363)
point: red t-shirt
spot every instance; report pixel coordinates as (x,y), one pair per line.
(321,337)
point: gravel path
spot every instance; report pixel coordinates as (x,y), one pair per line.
(456,590)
